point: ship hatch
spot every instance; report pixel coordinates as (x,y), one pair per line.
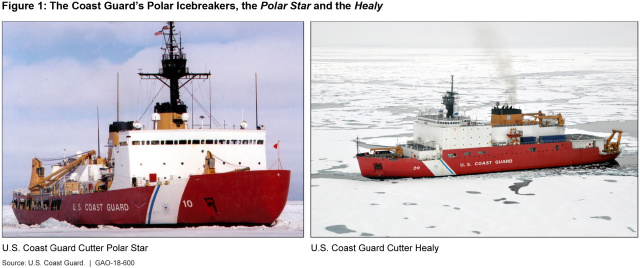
(377,165)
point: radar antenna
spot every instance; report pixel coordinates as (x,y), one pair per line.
(174,68)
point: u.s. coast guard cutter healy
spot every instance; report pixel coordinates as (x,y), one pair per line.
(165,175)
(445,143)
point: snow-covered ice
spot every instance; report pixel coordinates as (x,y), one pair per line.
(289,224)
(557,206)
(374,94)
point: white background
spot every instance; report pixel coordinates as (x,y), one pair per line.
(296,252)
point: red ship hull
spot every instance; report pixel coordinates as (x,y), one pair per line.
(483,160)
(249,197)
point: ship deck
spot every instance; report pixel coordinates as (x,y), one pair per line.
(422,148)
(419,147)
(580,137)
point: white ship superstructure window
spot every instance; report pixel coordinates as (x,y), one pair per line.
(194,142)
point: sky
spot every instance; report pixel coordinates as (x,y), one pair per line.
(469,34)
(57,74)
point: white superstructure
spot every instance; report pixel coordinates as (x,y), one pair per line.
(450,133)
(176,154)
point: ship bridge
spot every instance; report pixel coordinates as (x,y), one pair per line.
(444,130)
(173,155)
(435,132)
(441,121)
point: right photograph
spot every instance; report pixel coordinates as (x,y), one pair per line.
(474,129)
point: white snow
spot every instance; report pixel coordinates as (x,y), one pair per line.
(374,94)
(467,206)
(289,224)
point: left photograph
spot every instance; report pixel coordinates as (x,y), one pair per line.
(152,129)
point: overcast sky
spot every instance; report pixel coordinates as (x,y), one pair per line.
(56,73)
(467,34)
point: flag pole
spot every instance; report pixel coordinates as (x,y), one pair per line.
(277,146)
(279,163)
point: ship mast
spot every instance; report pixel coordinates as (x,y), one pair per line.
(449,100)
(174,68)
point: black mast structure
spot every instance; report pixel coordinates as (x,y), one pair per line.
(174,68)
(449,100)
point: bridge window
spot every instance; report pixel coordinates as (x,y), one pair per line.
(155,142)
(135,143)
(210,142)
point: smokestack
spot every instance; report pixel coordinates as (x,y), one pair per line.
(488,39)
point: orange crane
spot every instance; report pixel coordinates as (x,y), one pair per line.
(39,181)
(613,147)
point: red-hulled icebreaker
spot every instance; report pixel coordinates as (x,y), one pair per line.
(446,143)
(168,174)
